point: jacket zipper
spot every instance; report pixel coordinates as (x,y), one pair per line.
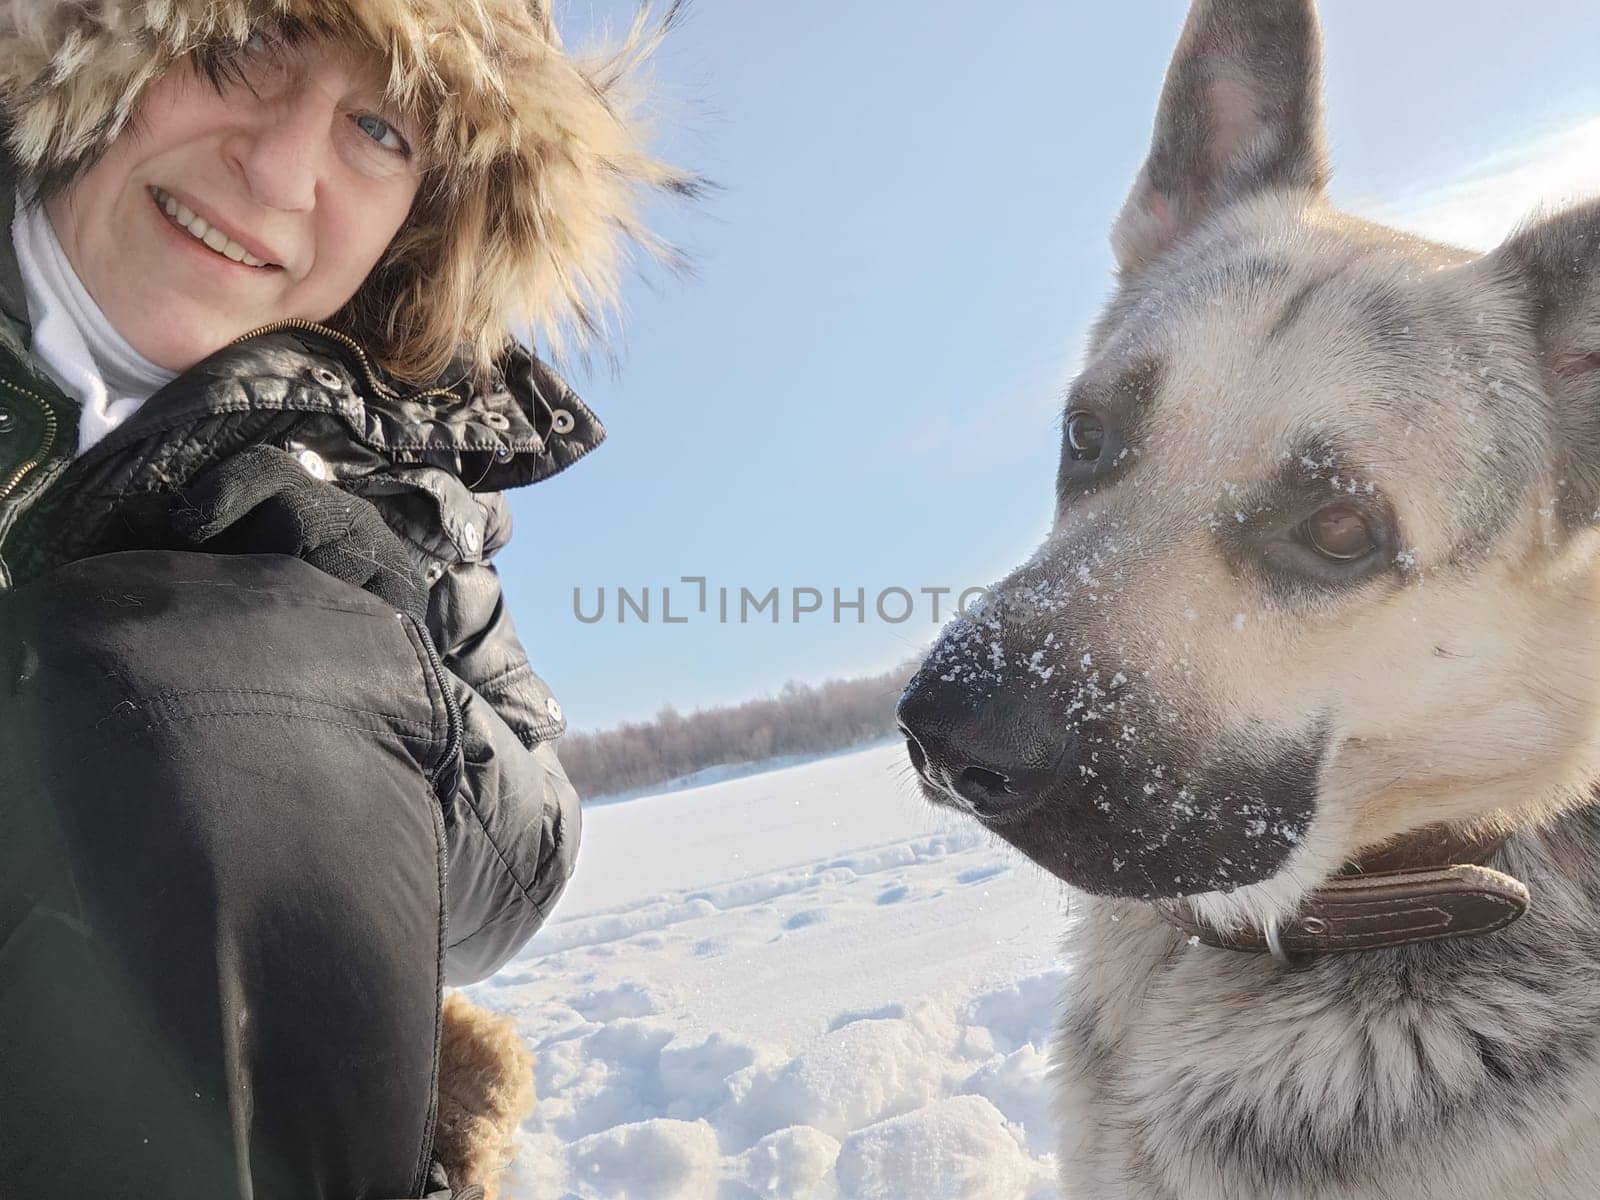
(454,735)
(355,347)
(43,453)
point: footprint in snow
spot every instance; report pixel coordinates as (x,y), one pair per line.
(614,1004)
(981,874)
(889,1012)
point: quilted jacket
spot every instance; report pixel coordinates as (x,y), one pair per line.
(435,462)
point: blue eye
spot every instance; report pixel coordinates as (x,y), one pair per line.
(383,130)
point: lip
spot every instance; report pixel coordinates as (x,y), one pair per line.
(937,795)
(251,246)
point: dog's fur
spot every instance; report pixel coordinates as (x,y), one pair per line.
(1248,716)
(485,1093)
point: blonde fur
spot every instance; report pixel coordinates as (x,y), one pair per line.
(537,160)
(485,1093)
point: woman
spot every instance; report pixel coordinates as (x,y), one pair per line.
(275,765)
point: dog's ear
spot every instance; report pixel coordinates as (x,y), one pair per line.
(1554,262)
(1553,265)
(1241,111)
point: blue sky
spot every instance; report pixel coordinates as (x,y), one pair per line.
(860,386)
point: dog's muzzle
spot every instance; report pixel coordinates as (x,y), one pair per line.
(1080,773)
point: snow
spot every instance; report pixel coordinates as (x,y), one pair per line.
(806,984)
(712,774)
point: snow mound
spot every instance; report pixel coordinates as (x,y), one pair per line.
(799,985)
(949,1150)
(794,1162)
(863,1072)
(650,1160)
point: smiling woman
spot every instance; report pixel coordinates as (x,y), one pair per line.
(258,384)
(267,193)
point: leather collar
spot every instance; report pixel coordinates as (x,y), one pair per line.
(1420,887)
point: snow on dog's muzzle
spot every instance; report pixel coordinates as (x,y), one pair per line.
(1080,765)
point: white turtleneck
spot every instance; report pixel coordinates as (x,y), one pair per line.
(72,339)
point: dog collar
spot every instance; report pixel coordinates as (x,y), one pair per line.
(1420,887)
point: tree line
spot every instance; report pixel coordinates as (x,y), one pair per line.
(800,719)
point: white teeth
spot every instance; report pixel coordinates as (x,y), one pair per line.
(197,228)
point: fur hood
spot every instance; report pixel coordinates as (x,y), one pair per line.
(538,164)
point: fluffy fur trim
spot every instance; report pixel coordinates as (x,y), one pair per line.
(537,160)
(485,1093)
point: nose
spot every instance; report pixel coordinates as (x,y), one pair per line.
(282,153)
(998,754)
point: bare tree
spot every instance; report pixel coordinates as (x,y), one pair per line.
(800,719)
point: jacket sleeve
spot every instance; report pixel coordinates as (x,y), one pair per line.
(512,825)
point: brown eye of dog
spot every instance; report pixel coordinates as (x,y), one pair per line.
(1339,532)
(1085,436)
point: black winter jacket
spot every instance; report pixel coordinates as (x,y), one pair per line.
(434,461)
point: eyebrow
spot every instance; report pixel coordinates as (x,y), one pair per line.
(1316,470)
(371,95)
(369,82)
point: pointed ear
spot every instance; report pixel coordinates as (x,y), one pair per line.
(1241,112)
(1554,262)
(1553,265)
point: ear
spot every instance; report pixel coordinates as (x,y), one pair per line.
(1241,112)
(1553,264)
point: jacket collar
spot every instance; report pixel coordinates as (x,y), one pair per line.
(16,331)
(526,424)
(523,425)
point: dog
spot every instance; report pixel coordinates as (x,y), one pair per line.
(485,1095)
(1302,689)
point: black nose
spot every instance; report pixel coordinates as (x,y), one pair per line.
(999,754)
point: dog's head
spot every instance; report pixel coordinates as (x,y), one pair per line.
(1321,570)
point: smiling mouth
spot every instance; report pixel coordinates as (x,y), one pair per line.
(186,221)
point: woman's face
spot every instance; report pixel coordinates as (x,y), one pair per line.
(302,166)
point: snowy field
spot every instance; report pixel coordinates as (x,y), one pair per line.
(802,984)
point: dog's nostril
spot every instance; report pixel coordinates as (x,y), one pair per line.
(919,760)
(986,782)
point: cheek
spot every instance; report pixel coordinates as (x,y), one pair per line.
(351,239)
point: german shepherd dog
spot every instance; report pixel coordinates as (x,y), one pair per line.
(1303,687)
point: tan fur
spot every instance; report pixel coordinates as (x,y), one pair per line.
(485,1093)
(1497,721)
(537,158)
(1265,359)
